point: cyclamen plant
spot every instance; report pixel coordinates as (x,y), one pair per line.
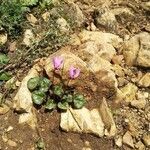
(60,96)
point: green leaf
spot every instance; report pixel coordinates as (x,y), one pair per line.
(29,2)
(78,101)
(38,97)
(50,104)
(63,105)
(58,90)
(68,98)
(45,84)
(3,59)
(33,83)
(4,76)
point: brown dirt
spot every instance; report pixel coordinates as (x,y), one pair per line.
(49,130)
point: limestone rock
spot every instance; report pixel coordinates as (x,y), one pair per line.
(4,109)
(3,37)
(118,142)
(46,16)
(146,6)
(143,58)
(105,77)
(129,92)
(100,68)
(137,50)
(107,20)
(130,50)
(63,25)
(76,13)
(23,101)
(146,139)
(82,121)
(75,40)
(128,140)
(133,128)
(145,81)
(91,48)
(31,18)
(107,118)
(118,70)
(124,11)
(100,37)
(28,37)
(140,146)
(117,59)
(140,104)
(11,143)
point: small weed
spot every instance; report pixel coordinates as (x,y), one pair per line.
(12,15)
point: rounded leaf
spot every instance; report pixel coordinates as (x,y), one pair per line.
(38,97)
(33,83)
(63,105)
(4,76)
(68,98)
(44,84)
(50,104)
(78,101)
(58,90)
(3,59)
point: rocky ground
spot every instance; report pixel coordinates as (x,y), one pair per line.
(109,40)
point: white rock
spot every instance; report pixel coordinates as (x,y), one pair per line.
(46,16)
(100,37)
(145,80)
(146,5)
(23,101)
(76,13)
(28,37)
(3,38)
(137,50)
(91,48)
(107,118)
(11,143)
(4,109)
(82,121)
(63,25)
(31,18)
(118,142)
(10,128)
(140,146)
(140,104)
(129,92)
(146,139)
(128,140)
(107,20)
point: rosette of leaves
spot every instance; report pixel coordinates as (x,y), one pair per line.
(39,86)
(57,96)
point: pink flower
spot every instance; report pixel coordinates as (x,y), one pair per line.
(74,72)
(57,62)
